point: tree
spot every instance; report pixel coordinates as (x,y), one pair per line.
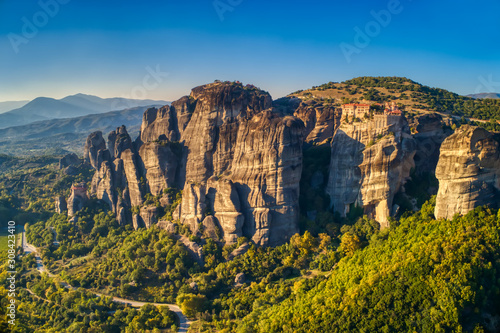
(191,304)
(350,243)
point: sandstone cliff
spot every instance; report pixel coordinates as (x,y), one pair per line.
(237,159)
(370,162)
(77,199)
(320,119)
(468,172)
(243,164)
(117,180)
(95,142)
(429,131)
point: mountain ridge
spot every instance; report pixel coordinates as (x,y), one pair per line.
(491,95)
(46,108)
(11,105)
(40,136)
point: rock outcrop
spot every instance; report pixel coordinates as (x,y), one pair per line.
(468,172)
(68,160)
(320,118)
(237,156)
(243,164)
(429,131)
(237,159)
(370,162)
(117,180)
(95,143)
(60,204)
(147,216)
(77,199)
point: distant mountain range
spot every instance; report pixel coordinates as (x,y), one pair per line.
(58,136)
(43,108)
(485,95)
(8,106)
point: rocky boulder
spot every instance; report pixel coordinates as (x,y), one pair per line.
(468,172)
(240,278)
(68,160)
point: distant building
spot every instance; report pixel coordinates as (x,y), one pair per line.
(77,199)
(356,110)
(392,109)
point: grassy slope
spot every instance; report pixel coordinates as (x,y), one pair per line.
(412,95)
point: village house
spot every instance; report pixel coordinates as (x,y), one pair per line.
(356,110)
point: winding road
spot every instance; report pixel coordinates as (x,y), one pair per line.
(184,322)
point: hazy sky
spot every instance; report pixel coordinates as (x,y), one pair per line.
(110,48)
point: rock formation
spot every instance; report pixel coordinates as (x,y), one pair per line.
(77,199)
(237,159)
(468,172)
(60,204)
(243,164)
(95,142)
(237,156)
(68,160)
(320,119)
(146,217)
(117,180)
(370,161)
(429,131)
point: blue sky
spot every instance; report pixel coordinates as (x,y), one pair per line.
(108,48)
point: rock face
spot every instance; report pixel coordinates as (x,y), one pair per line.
(237,156)
(117,180)
(370,161)
(237,159)
(320,120)
(211,228)
(95,143)
(429,132)
(468,172)
(68,160)
(60,204)
(243,164)
(77,199)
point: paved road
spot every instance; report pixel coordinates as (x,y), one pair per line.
(56,242)
(184,323)
(28,248)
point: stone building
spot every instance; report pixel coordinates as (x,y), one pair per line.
(356,110)
(77,199)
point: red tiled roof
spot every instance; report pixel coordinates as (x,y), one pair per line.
(352,104)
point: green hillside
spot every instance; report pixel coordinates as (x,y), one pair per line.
(427,276)
(409,94)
